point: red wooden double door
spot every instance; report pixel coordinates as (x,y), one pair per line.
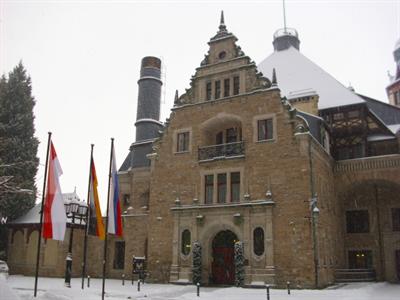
(223,265)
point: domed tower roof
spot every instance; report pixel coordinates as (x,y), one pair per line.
(285,38)
(397,45)
(396,55)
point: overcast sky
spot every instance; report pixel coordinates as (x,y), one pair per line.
(84,59)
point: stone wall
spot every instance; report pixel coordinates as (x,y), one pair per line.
(371,184)
(278,165)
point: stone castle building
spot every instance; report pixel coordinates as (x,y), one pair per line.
(281,159)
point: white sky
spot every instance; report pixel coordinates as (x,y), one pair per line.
(84,59)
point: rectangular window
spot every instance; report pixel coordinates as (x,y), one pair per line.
(338,116)
(342,153)
(235,187)
(397,98)
(236,84)
(396,219)
(353,114)
(231,135)
(219,138)
(357,221)
(357,151)
(227,86)
(183,142)
(209,189)
(265,129)
(119,255)
(221,188)
(208,90)
(217,89)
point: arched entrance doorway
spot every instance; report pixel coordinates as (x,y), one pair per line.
(223,266)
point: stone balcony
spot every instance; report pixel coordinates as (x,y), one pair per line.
(221,151)
(368,163)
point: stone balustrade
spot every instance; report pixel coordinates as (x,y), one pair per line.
(368,163)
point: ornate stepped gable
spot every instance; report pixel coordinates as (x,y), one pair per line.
(224,57)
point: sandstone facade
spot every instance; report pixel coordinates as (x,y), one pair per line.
(238,162)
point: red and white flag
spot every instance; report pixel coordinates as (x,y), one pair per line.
(54,217)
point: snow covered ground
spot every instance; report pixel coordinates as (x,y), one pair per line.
(21,288)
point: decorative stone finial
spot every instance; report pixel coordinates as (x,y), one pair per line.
(222,26)
(274,81)
(222,31)
(176,100)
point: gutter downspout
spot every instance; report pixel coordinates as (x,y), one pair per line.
(313,202)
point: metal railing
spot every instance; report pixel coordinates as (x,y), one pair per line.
(221,151)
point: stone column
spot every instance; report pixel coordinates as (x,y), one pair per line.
(174,273)
(269,241)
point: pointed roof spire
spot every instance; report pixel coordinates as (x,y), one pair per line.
(274,81)
(222,26)
(222,32)
(222,21)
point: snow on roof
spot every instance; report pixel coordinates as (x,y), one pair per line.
(379,137)
(33,215)
(295,72)
(394,128)
(301,93)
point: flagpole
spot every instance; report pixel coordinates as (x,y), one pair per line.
(41,215)
(88,215)
(106,230)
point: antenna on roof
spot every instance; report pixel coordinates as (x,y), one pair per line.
(284,15)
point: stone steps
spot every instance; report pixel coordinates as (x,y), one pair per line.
(355,275)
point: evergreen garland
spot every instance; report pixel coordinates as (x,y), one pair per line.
(196,262)
(239,264)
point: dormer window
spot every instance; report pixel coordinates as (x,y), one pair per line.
(222,55)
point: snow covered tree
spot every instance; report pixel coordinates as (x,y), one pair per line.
(239,264)
(18,146)
(196,262)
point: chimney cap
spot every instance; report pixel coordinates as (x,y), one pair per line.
(151,62)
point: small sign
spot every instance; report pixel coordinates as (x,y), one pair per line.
(139,265)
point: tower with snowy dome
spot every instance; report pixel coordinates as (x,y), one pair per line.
(393,89)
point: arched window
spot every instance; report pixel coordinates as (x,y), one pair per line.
(258,241)
(186,243)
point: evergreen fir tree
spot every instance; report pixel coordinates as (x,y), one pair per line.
(18,146)
(239,264)
(196,262)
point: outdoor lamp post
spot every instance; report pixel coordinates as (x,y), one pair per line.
(74,209)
